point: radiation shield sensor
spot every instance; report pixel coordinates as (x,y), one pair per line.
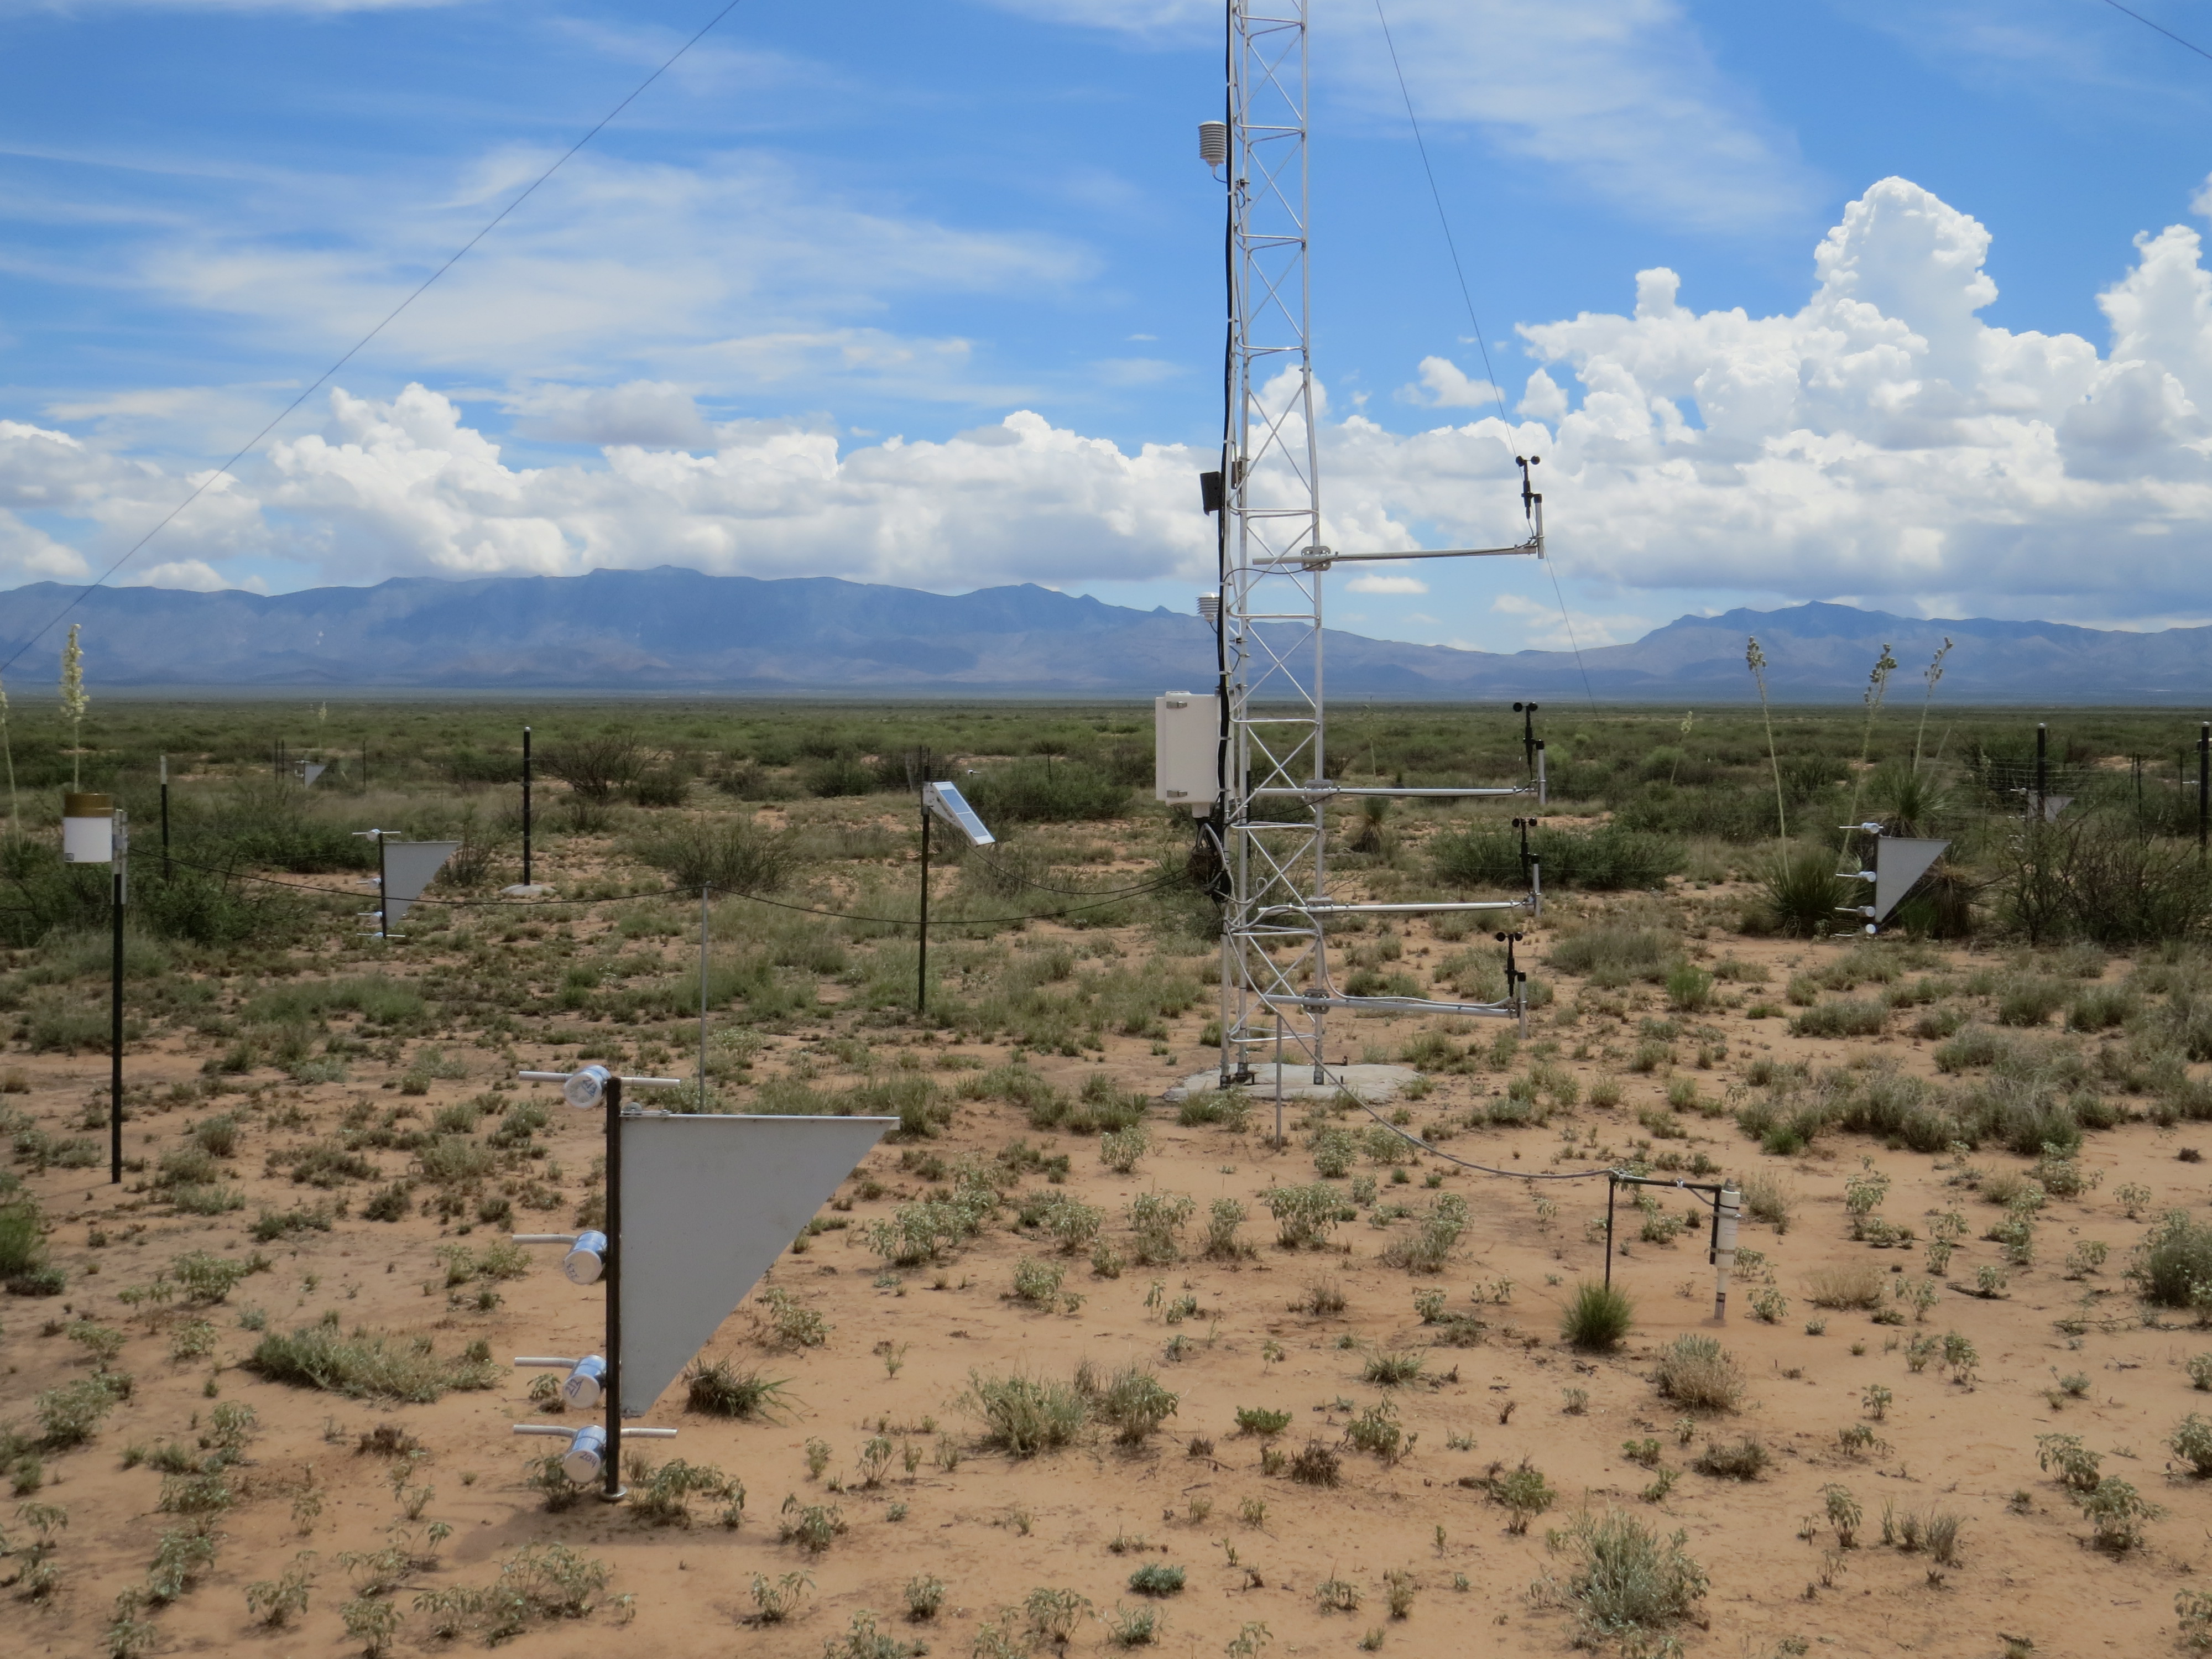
(945,800)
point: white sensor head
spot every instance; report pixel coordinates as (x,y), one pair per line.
(586,1087)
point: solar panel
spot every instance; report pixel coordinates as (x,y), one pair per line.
(948,803)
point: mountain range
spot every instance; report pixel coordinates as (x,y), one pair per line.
(671,630)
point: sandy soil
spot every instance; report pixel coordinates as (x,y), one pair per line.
(994,1528)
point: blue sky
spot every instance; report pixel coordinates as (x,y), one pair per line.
(930,295)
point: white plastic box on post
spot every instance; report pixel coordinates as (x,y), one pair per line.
(88,829)
(1187,750)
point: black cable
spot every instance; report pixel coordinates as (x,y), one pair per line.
(1469,1163)
(1420,144)
(254,443)
(2188,45)
(1497,392)
(1046,887)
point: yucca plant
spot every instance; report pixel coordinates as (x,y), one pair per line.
(1801,891)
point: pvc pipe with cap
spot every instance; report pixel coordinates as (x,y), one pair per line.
(1727,1212)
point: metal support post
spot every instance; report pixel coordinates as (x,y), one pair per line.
(2204,784)
(922,932)
(165,817)
(706,890)
(610,1487)
(1612,1188)
(2042,770)
(526,877)
(115,1032)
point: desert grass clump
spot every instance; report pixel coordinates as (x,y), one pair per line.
(1768,1198)
(1629,1583)
(1597,1317)
(1696,1371)
(1317,1464)
(1392,1368)
(1157,1578)
(1852,1284)
(718,1388)
(1024,1415)
(1746,1460)
(367,1367)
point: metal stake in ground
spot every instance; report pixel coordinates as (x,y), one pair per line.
(165,817)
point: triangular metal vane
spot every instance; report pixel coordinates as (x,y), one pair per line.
(310,770)
(708,1203)
(1898,862)
(408,867)
(2053,805)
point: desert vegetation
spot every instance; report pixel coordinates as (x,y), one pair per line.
(1068,1364)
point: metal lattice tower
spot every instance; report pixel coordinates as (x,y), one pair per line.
(1270,815)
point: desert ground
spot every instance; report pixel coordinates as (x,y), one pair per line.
(1895,1503)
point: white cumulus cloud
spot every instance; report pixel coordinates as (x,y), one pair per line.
(1882,442)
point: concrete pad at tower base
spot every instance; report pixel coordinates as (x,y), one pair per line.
(1373,1083)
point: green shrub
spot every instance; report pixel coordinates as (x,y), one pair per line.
(730,854)
(2173,1260)
(1524,1493)
(1746,1460)
(2192,1444)
(69,1411)
(1304,1216)
(1604,859)
(1614,955)
(1840,1019)
(1157,1578)
(1597,1316)
(1134,1404)
(1629,1580)
(22,1240)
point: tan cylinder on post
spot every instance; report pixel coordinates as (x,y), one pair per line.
(88,829)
